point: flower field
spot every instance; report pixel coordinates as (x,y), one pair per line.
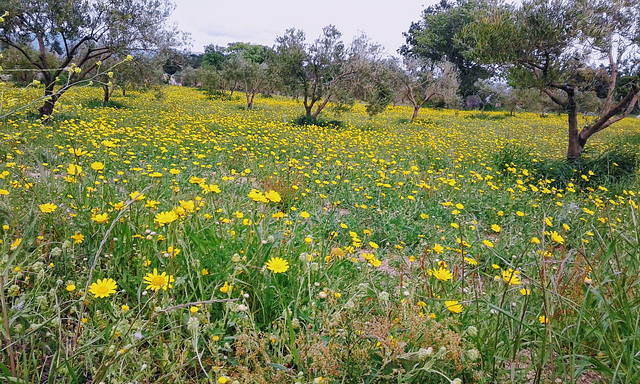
(183,239)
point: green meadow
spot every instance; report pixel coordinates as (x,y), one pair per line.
(176,237)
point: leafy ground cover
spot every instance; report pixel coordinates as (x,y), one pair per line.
(179,238)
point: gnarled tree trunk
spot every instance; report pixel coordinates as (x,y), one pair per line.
(416,109)
(611,114)
(49,102)
(576,146)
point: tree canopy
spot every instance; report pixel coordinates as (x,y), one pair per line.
(435,38)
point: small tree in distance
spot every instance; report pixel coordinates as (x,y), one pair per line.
(140,73)
(329,71)
(420,83)
(313,71)
(245,67)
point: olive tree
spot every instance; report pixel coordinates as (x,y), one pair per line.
(421,82)
(327,70)
(555,45)
(316,72)
(246,68)
(82,34)
(374,77)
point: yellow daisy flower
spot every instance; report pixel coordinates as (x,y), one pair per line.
(103,288)
(155,281)
(277,265)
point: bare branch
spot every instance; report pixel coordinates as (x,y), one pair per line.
(615,114)
(23,52)
(554,98)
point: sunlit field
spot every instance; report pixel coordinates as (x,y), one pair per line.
(179,238)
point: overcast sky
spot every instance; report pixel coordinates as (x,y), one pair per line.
(225,21)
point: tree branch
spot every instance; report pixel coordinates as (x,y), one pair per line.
(554,98)
(612,82)
(73,50)
(410,94)
(431,94)
(66,45)
(564,87)
(24,52)
(615,114)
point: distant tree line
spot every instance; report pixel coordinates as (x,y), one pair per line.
(322,72)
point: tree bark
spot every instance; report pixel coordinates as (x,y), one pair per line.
(613,65)
(50,101)
(578,138)
(107,94)
(250,100)
(47,109)
(321,107)
(233,89)
(416,109)
(418,105)
(576,143)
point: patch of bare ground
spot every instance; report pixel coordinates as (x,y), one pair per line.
(546,375)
